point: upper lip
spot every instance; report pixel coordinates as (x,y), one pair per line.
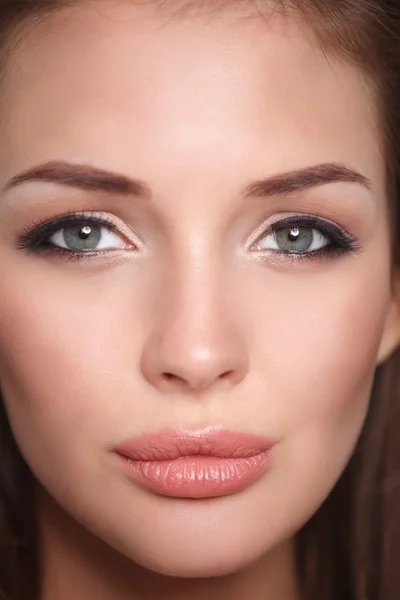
(170,444)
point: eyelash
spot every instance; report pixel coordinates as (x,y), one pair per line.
(36,239)
(342,242)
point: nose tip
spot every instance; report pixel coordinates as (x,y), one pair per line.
(200,371)
(179,364)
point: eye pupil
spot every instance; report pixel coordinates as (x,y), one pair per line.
(85,232)
(294,234)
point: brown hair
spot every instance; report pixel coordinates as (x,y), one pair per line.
(350,549)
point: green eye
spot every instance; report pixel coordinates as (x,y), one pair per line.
(81,238)
(86,237)
(294,239)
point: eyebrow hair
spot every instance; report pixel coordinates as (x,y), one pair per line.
(303,179)
(90,178)
(84,177)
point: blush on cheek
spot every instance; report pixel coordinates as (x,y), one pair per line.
(62,359)
(35,349)
(36,361)
(330,353)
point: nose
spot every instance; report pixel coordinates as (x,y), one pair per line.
(195,345)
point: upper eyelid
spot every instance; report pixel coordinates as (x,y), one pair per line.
(64,222)
(57,222)
(77,218)
(310,220)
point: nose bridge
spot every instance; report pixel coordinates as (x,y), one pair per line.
(195,340)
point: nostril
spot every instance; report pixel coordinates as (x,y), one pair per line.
(169,379)
(226,375)
(169,376)
(198,382)
(172,377)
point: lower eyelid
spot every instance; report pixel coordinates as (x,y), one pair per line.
(95,257)
(288,258)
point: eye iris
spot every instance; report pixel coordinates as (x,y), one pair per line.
(295,239)
(86,237)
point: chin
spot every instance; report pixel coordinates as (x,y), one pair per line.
(194,566)
(194,556)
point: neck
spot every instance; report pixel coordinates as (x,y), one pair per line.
(75,564)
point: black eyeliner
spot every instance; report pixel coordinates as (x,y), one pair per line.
(342,240)
(37,238)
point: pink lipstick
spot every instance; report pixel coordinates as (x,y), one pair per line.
(196,464)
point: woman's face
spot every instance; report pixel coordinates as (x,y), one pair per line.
(193,309)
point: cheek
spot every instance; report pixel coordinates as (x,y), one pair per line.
(319,362)
(319,336)
(67,361)
(340,338)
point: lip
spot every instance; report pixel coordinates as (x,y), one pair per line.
(196,464)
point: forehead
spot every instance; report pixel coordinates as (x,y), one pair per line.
(118,84)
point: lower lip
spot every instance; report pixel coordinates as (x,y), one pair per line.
(198,476)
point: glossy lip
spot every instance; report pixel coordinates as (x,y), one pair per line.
(196,464)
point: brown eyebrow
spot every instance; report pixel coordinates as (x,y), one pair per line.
(93,179)
(83,177)
(289,183)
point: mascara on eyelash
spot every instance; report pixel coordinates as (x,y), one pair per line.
(340,236)
(36,236)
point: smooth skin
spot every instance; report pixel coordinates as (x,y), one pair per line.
(192,318)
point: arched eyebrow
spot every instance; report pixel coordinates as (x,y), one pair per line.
(84,177)
(289,183)
(92,179)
